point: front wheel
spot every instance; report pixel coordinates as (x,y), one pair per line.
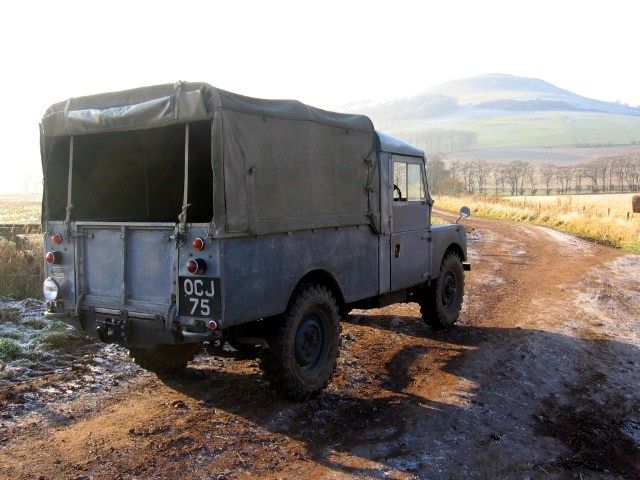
(440,304)
(304,344)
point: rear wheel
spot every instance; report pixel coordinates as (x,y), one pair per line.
(165,358)
(440,303)
(304,344)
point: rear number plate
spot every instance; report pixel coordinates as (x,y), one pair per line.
(199,297)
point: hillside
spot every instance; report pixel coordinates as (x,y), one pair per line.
(504,111)
(510,92)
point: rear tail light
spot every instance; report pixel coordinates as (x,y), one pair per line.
(212,325)
(198,244)
(53,258)
(56,239)
(197,266)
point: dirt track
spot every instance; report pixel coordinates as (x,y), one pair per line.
(540,380)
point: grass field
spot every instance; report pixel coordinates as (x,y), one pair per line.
(21,261)
(537,155)
(20,208)
(534,129)
(602,218)
(615,204)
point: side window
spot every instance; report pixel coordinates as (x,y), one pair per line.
(408,185)
(399,182)
(415,190)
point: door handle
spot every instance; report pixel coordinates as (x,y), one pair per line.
(397,251)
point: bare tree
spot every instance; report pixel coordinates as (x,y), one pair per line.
(497,171)
(563,178)
(515,173)
(482,170)
(618,169)
(559,181)
(567,175)
(531,177)
(603,165)
(578,176)
(590,171)
(467,170)
(437,172)
(632,172)
(547,172)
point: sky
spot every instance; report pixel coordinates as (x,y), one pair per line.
(325,53)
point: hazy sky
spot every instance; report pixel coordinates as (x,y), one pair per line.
(324,53)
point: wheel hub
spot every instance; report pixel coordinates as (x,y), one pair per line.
(449,290)
(309,341)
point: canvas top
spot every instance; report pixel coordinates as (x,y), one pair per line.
(182,102)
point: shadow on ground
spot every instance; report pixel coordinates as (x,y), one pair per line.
(532,402)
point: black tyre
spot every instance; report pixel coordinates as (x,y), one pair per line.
(165,359)
(304,344)
(440,303)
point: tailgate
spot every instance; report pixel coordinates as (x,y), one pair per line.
(129,267)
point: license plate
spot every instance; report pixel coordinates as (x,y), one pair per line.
(199,297)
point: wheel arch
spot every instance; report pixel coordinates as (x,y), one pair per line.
(322,277)
(440,250)
(455,248)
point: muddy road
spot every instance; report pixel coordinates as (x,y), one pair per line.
(540,379)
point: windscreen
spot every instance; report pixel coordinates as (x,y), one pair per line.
(134,176)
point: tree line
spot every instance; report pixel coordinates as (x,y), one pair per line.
(610,174)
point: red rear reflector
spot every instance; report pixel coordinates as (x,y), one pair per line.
(196,266)
(213,325)
(56,238)
(53,257)
(198,244)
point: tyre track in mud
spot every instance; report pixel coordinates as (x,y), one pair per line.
(523,387)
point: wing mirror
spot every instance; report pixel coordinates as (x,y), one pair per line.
(464,213)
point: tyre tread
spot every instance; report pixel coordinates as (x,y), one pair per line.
(276,363)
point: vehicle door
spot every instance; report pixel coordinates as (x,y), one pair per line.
(410,212)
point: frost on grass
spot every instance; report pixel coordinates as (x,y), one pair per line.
(44,364)
(9,349)
(26,336)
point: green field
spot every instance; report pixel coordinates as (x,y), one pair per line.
(534,129)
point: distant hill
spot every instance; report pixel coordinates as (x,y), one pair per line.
(503,111)
(495,89)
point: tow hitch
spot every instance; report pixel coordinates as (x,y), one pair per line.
(113,330)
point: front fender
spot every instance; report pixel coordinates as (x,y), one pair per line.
(444,238)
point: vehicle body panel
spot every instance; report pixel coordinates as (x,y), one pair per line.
(409,247)
(127,266)
(260,273)
(443,238)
